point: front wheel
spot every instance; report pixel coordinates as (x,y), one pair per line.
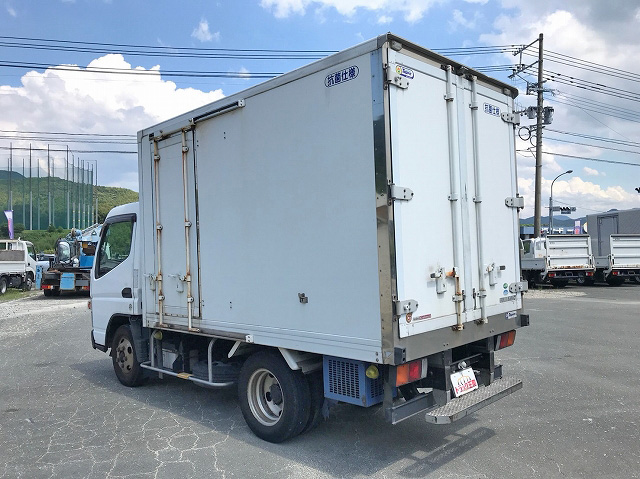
(27,284)
(275,400)
(125,361)
(3,285)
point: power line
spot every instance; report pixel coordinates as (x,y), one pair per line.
(593,146)
(67,133)
(70,150)
(586,158)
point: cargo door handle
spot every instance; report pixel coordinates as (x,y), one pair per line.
(126,293)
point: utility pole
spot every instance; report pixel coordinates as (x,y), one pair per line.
(30,192)
(537,226)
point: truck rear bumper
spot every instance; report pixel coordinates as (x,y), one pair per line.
(462,406)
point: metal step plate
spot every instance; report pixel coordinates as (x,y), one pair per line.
(460,407)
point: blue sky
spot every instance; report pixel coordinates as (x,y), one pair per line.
(41,100)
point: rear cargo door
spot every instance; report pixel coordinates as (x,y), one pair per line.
(177,255)
(568,252)
(437,232)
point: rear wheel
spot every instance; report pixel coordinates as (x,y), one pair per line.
(614,280)
(559,283)
(316,388)
(125,361)
(275,400)
(55,292)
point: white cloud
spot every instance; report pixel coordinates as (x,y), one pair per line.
(384,20)
(202,33)
(244,73)
(412,10)
(76,101)
(590,171)
(459,19)
(11,11)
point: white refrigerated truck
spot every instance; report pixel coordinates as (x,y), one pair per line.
(344,232)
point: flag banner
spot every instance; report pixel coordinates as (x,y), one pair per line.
(9,215)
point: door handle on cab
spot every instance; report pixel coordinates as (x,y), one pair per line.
(126,293)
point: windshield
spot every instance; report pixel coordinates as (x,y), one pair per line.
(64,252)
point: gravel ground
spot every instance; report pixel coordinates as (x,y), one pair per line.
(64,415)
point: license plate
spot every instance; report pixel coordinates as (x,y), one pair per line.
(464,382)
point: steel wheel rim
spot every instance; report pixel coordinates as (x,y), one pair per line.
(262,393)
(124,355)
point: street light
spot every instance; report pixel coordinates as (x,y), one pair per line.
(551,200)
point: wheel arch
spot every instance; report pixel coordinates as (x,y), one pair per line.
(135,323)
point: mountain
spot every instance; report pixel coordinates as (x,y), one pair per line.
(558,220)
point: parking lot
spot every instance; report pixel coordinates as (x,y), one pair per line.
(63,414)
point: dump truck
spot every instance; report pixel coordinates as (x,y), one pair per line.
(17,264)
(71,266)
(344,233)
(558,259)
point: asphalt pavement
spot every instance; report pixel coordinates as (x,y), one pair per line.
(63,414)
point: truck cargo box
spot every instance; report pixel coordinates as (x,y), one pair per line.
(364,206)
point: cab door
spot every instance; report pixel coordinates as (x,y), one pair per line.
(112,275)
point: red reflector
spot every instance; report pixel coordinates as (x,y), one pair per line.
(415,370)
(615,273)
(552,275)
(589,273)
(505,340)
(85,288)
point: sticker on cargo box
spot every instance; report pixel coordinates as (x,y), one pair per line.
(511,315)
(424,316)
(491,109)
(344,75)
(404,71)
(506,299)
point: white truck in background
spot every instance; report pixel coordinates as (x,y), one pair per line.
(17,264)
(557,259)
(346,232)
(615,240)
(622,262)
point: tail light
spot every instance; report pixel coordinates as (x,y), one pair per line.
(615,273)
(552,275)
(505,340)
(411,371)
(589,273)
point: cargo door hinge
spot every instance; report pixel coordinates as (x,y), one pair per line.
(396,78)
(400,193)
(510,118)
(519,287)
(405,307)
(514,202)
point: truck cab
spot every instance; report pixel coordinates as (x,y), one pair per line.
(17,264)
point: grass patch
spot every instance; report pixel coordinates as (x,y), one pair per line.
(14,293)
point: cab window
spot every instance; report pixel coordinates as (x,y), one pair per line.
(115,246)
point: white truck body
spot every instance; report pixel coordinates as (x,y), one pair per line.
(17,264)
(558,258)
(363,208)
(623,260)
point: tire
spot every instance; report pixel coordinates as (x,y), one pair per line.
(614,281)
(581,280)
(27,284)
(125,360)
(48,292)
(275,400)
(559,283)
(636,279)
(3,285)
(55,292)
(316,389)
